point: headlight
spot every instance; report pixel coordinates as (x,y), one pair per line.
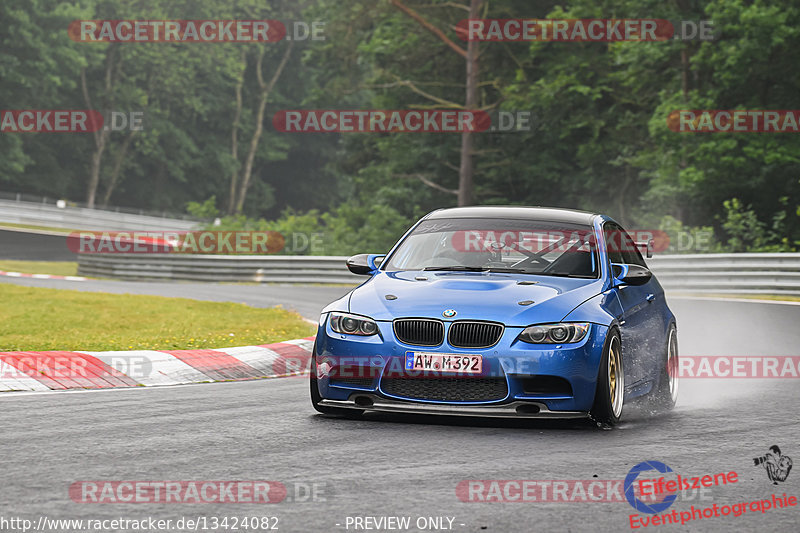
(353,324)
(555,333)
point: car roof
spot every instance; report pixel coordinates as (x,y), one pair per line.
(550,214)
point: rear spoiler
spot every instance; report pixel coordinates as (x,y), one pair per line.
(646,247)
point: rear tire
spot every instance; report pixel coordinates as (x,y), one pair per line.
(316,397)
(665,392)
(610,391)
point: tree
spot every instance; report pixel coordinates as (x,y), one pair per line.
(470,55)
(264,91)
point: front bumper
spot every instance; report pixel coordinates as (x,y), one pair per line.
(354,368)
(517,409)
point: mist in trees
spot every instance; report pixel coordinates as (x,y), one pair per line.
(599,139)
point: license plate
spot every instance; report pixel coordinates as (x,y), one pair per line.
(444,362)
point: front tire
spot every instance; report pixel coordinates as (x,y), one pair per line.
(610,391)
(665,392)
(316,397)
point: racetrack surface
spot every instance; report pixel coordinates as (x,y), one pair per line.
(402,465)
(26,245)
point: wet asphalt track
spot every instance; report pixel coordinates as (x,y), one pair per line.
(401,466)
(32,246)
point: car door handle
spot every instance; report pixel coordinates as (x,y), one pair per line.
(651,297)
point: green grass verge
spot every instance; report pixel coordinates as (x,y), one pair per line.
(55,268)
(34,319)
(32,227)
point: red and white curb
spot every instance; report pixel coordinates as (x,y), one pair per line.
(39,276)
(55,370)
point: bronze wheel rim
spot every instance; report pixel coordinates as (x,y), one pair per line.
(616,377)
(672,366)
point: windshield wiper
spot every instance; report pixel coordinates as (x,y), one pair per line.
(510,270)
(460,268)
(566,275)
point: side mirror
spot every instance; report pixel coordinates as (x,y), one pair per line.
(630,274)
(646,246)
(364,264)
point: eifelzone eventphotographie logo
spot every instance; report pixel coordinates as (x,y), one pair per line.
(776,464)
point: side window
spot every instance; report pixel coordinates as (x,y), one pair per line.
(620,247)
(613,237)
(631,252)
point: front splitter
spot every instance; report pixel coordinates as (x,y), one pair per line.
(371,402)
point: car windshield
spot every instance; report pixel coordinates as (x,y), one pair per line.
(499,245)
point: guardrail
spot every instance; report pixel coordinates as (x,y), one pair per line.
(70,217)
(776,273)
(243,268)
(700,273)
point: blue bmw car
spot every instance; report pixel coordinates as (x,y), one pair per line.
(502,312)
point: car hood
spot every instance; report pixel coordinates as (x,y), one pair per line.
(473,295)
